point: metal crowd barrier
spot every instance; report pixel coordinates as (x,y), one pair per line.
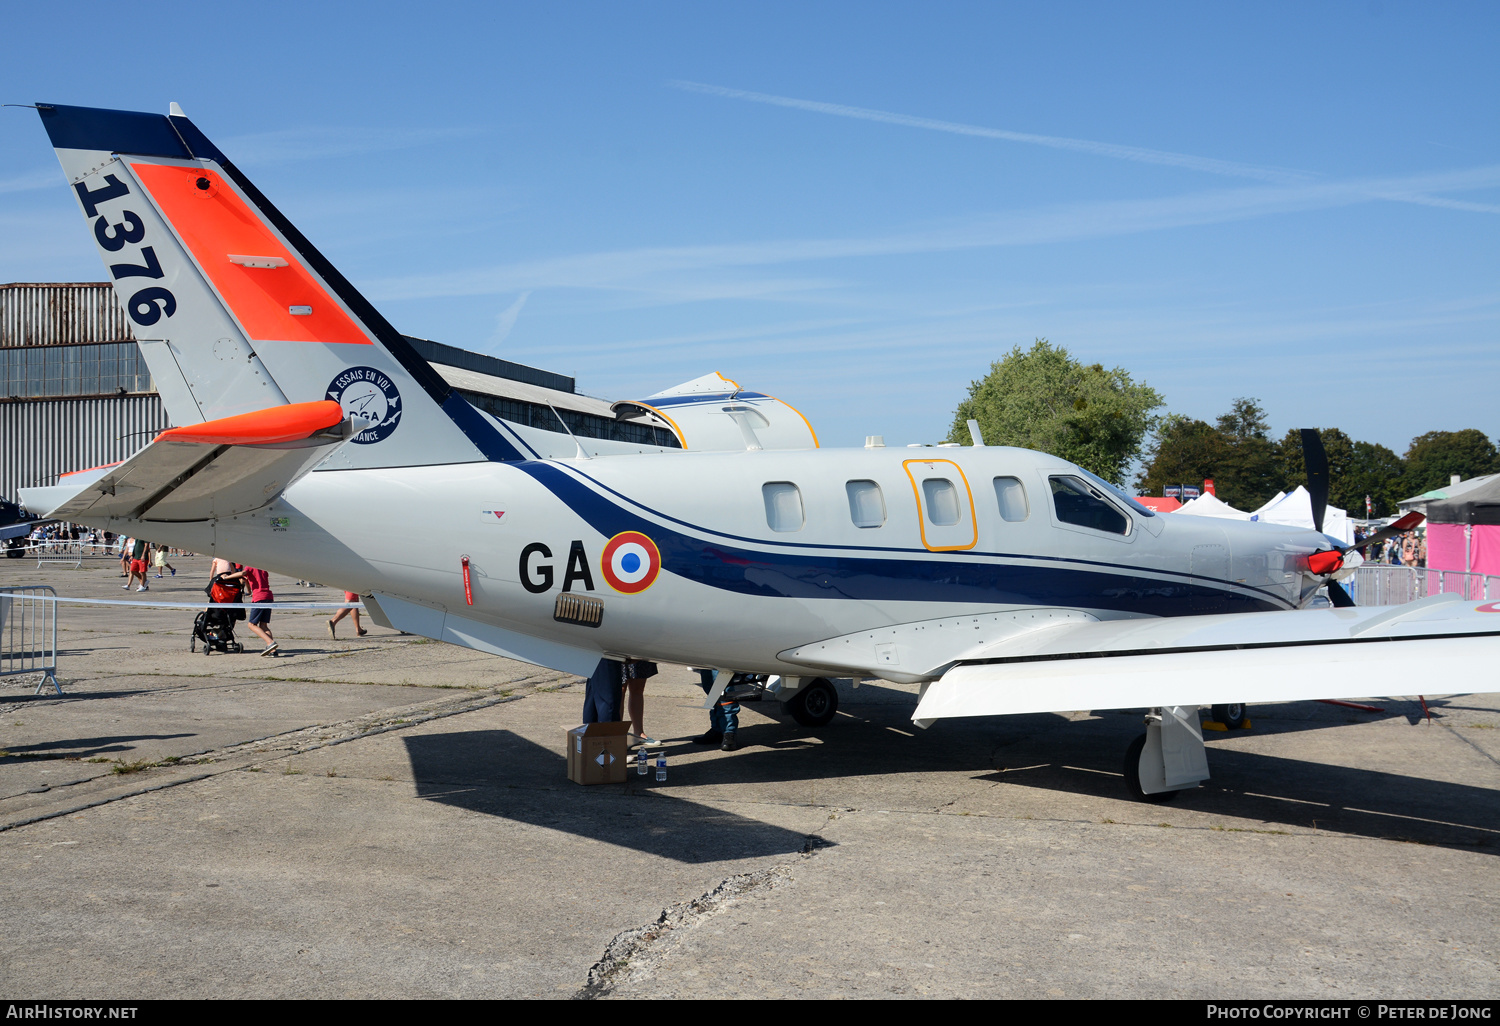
(1375,584)
(28,634)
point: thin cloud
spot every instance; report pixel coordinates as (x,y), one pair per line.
(651,270)
(1139,154)
(32,180)
(506,322)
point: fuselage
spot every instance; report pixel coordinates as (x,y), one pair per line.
(758,552)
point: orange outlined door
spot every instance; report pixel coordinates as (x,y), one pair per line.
(945,504)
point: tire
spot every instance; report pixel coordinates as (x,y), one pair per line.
(1232,715)
(1133,775)
(815,704)
(192,644)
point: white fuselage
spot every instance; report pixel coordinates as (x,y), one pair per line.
(732,591)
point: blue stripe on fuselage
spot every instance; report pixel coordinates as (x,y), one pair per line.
(941,577)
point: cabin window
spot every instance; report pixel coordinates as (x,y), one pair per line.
(866,503)
(1078,502)
(942,501)
(1010,494)
(783,506)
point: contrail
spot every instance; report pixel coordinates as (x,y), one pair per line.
(1229,168)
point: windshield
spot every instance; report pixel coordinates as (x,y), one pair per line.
(1112,490)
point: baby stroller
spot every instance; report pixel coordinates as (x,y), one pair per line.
(215,627)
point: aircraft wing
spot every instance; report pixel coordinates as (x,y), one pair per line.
(202,471)
(1439,645)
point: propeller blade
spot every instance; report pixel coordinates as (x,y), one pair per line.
(1316,462)
(1406,523)
(1338,596)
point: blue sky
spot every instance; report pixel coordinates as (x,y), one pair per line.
(855,207)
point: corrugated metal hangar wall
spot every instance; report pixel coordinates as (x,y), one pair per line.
(74,391)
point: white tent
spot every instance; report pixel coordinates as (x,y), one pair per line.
(1207,505)
(1295,510)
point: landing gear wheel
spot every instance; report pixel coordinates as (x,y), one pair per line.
(814,704)
(1133,775)
(1231,715)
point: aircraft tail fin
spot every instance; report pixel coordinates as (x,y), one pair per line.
(234,310)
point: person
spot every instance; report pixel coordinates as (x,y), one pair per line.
(349,596)
(259,620)
(637,672)
(159,558)
(723,718)
(601,693)
(124,550)
(138,549)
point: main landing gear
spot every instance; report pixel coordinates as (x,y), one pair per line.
(1167,758)
(811,701)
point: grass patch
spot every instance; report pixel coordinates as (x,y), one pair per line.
(254,769)
(1481,726)
(122,768)
(99,758)
(331,772)
(290,772)
(145,632)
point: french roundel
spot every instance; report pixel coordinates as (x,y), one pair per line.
(630,562)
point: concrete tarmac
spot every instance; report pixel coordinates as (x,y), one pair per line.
(389,817)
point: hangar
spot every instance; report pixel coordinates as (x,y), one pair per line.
(75,391)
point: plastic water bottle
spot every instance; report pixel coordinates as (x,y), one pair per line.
(640,761)
(661,767)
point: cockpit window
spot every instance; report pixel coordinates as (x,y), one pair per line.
(1099,482)
(1079,502)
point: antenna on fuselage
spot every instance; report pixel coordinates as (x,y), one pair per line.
(582,452)
(975,433)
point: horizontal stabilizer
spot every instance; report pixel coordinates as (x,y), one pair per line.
(1426,647)
(218,468)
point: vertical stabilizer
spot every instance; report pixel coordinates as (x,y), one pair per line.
(234,309)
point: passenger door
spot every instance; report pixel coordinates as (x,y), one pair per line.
(945,505)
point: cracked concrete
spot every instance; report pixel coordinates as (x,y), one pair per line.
(388,818)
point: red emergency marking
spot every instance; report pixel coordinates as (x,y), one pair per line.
(468,591)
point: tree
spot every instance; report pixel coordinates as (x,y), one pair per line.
(1434,457)
(1184,451)
(1375,471)
(1236,455)
(1292,469)
(1044,399)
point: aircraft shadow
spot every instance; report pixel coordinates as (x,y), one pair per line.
(81,746)
(499,773)
(1047,751)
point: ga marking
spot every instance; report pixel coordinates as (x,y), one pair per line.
(630,564)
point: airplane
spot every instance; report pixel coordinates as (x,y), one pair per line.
(309,437)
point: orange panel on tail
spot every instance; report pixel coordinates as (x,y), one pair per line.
(214,223)
(290,423)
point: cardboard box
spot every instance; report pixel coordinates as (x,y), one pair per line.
(598,753)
